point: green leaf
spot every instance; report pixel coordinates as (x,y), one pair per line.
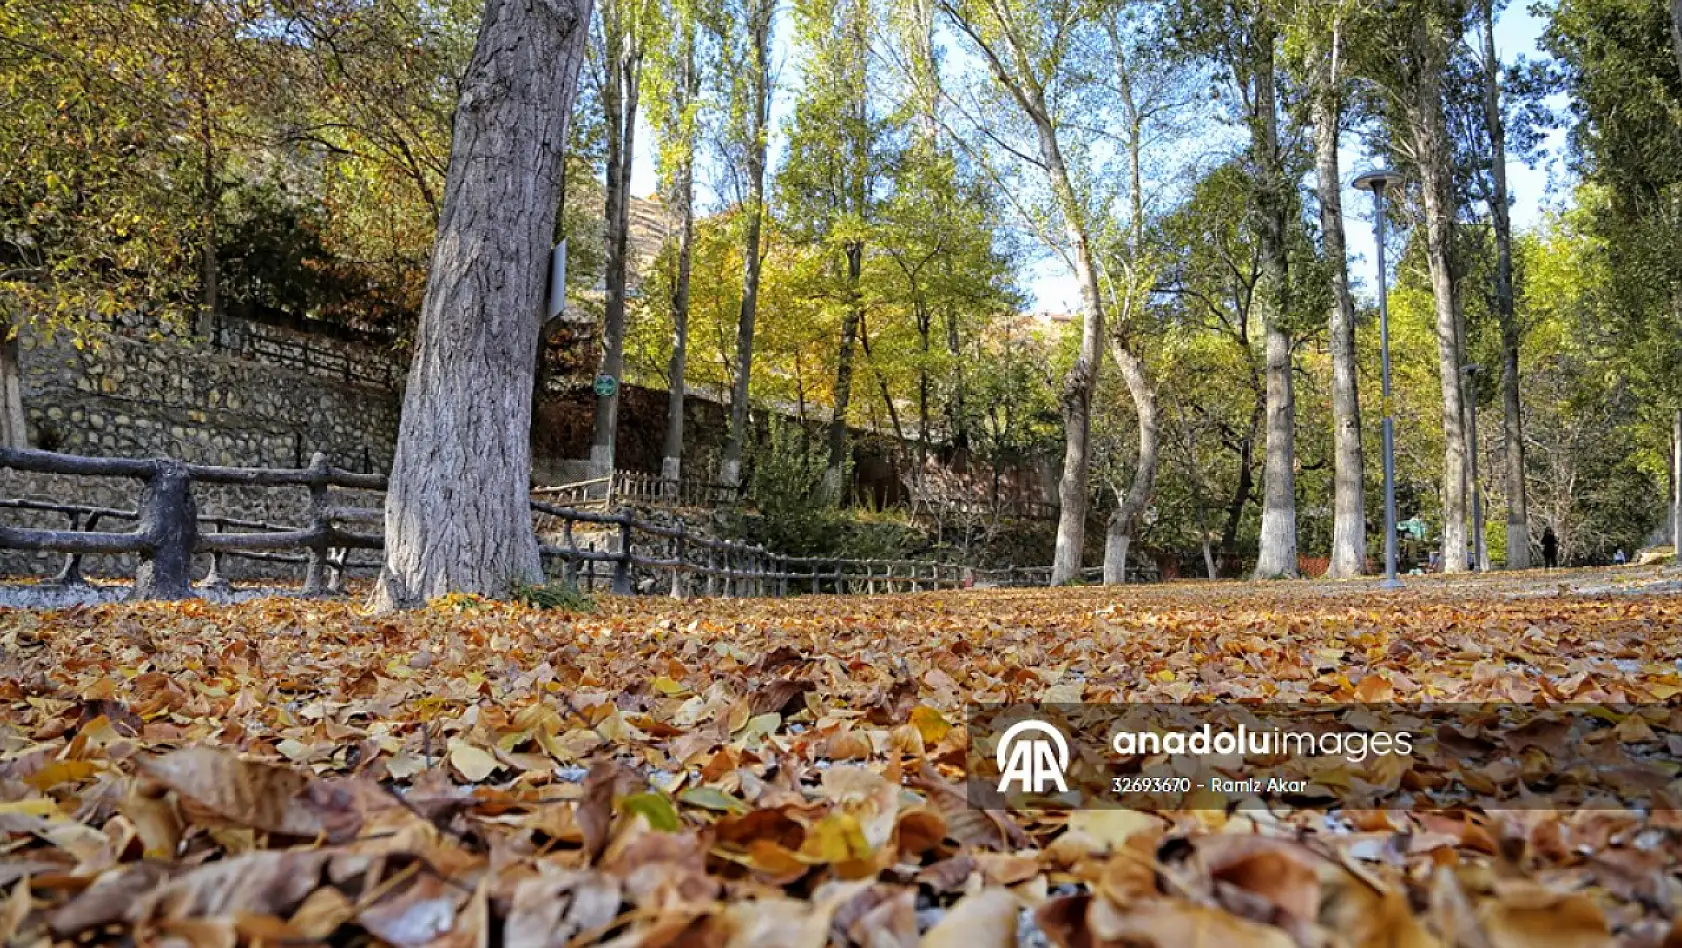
(712,798)
(655,808)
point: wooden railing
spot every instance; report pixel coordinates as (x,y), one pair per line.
(957,505)
(635,488)
(167,534)
(698,565)
(639,556)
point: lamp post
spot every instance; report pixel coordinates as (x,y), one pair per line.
(1376,180)
(1480,551)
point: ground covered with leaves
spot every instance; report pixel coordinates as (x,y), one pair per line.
(783,773)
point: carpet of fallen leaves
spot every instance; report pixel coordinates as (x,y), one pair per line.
(777,773)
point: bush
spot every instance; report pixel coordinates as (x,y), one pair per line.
(553,595)
(800,514)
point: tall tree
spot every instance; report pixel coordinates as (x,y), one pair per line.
(625,28)
(1242,36)
(1028,47)
(1407,53)
(1148,89)
(1431,33)
(1631,146)
(750,96)
(458,515)
(674,112)
(1254,68)
(1324,27)
(1512,422)
(828,181)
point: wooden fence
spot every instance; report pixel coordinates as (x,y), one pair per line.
(633,488)
(167,525)
(642,557)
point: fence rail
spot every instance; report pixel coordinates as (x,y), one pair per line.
(640,556)
(635,488)
(167,534)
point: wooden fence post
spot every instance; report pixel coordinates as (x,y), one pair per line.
(569,565)
(71,573)
(680,553)
(622,566)
(169,524)
(315,574)
(214,579)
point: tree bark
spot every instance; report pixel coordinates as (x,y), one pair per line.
(844,372)
(1243,489)
(14,422)
(1676,488)
(1119,534)
(1349,529)
(1676,32)
(671,464)
(730,468)
(458,516)
(1431,152)
(620,91)
(1278,552)
(1512,419)
(1079,384)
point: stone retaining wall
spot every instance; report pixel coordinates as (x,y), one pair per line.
(128,397)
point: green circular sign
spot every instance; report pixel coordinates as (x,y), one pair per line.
(606,385)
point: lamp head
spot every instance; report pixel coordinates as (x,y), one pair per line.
(1378,178)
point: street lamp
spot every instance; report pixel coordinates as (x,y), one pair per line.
(1480,553)
(1376,180)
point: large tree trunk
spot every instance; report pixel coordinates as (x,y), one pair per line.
(458,516)
(1119,534)
(620,90)
(1431,152)
(1512,421)
(1078,387)
(1278,553)
(1349,531)
(671,463)
(730,468)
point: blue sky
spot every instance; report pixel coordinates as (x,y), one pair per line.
(1052,287)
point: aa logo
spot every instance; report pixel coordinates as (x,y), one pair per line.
(1030,761)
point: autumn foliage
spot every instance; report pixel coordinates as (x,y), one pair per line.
(775,773)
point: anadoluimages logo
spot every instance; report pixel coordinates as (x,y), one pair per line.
(1032,762)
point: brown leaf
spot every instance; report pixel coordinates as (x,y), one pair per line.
(1277,871)
(14,909)
(984,920)
(548,911)
(418,913)
(1526,915)
(108,899)
(1165,923)
(243,792)
(785,696)
(260,883)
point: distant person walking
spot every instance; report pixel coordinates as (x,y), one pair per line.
(1618,557)
(1550,548)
